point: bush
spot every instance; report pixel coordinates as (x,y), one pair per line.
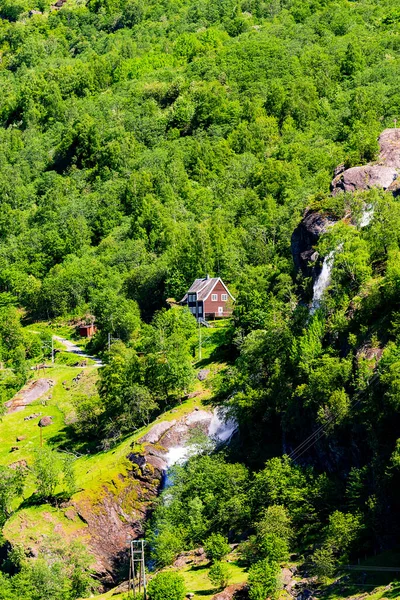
(219,575)
(263,580)
(323,563)
(166,586)
(216,547)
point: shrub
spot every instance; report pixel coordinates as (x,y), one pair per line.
(263,579)
(219,574)
(216,547)
(323,563)
(166,586)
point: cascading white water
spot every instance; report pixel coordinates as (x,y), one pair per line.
(367,215)
(324,278)
(322,282)
(222,427)
(220,431)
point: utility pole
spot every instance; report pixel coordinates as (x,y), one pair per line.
(137,571)
(50,346)
(199,340)
(111,339)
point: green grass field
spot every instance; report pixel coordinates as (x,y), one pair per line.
(197,581)
(93,471)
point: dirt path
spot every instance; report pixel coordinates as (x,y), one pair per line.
(74,349)
(31,392)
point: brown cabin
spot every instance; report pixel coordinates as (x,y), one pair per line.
(209,298)
(87,330)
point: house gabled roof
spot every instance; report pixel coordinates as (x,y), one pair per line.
(204,287)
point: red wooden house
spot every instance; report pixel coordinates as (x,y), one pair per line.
(209,298)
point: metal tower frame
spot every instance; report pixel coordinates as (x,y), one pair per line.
(137,570)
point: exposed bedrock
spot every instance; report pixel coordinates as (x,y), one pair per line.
(384,174)
(119,511)
(305,238)
(364,178)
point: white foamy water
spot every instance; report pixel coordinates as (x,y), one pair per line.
(367,215)
(220,431)
(176,455)
(222,427)
(322,282)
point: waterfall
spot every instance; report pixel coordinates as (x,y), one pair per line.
(222,427)
(367,215)
(220,431)
(324,278)
(322,282)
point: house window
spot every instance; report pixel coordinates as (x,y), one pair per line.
(224,297)
(214,297)
(193,310)
(192,298)
(200,310)
(220,310)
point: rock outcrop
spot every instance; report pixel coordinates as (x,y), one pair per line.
(31,392)
(383,173)
(389,143)
(306,236)
(119,511)
(232,592)
(364,178)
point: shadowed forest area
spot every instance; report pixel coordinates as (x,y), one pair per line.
(147,144)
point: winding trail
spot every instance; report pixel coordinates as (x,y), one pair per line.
(74,349)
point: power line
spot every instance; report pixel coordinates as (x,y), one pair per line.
(309,442)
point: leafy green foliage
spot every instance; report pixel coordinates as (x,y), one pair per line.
(216,547)
(61,572)
(11,487)
(219,574)
(323,563)
(53,472)
(263,579)
(166,586)
(143,145)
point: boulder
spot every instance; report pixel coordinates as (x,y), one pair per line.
(45,421)
(306,236)
(203,374)
(364,178)
(230,592)
(389,142)
(34,416)
(155,433)
(137,459)
(71,514)
(19,464)
(286,577)
(21,438)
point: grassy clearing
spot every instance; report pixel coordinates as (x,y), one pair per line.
(31,524)
(370,591)
(93,471)
(55,403)
(197,581)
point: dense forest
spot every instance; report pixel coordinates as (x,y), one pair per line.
(146,144)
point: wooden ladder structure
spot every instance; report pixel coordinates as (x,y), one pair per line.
(137,570)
